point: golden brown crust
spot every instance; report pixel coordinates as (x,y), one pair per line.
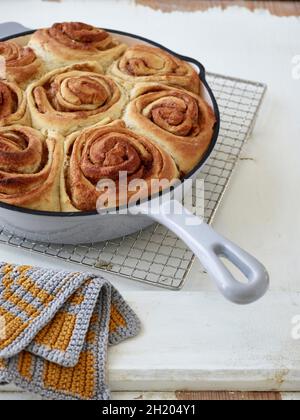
(21,64)
(100,153)
(142,63)
(13,105)
(30,168)
(71,42)
(177,120)
(73,97)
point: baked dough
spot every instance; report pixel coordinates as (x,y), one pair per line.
(13,105)
(179,121)
(30,165)
(100,153)
(141,64)
(73,97)
(21,64)
(78,106)
(72,42)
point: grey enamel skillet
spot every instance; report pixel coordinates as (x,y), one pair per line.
(89,227)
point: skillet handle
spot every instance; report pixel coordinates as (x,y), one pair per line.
(209,246)
(11,28)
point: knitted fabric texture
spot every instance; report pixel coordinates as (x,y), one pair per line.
(55,327)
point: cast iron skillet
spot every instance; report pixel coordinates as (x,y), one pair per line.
(78,227)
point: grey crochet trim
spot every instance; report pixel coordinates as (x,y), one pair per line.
(66,322)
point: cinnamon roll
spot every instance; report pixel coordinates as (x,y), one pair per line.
(71,42)
(21,63)
(73,97)
(142,63)
(30,168)
(103,153)
(13,105)
(177,120)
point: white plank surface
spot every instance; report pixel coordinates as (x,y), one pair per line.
(193,339)
(290,396)
(186,341)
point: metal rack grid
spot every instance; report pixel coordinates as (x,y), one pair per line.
(155,255)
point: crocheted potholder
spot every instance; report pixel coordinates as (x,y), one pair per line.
(54,330)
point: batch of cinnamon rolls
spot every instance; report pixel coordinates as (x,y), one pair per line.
(77,106)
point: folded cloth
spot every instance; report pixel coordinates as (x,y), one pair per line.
(55,327)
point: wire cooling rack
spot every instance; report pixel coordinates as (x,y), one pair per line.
(155,255)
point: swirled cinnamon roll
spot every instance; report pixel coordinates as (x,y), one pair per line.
(72,42)
(142,63)
(21,64)
(73,97)
(30,168)
(177,120)
(13,105)
(102,153)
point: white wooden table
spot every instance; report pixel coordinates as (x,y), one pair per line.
(193,339)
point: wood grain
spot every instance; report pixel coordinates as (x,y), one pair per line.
(279,8)
(229,396)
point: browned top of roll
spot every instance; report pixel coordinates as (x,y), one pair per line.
(150,64)
(76,37)
(29,168)
(103,152)
(142,60)
(77,92)
(22,64)
(21,150)
(16,55)
(177,119)
(177,113)
(23,154)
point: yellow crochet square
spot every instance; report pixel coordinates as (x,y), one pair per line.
(58,333)
(25,365)
(116,320)
(2,364)
(14,326)
(79,380)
